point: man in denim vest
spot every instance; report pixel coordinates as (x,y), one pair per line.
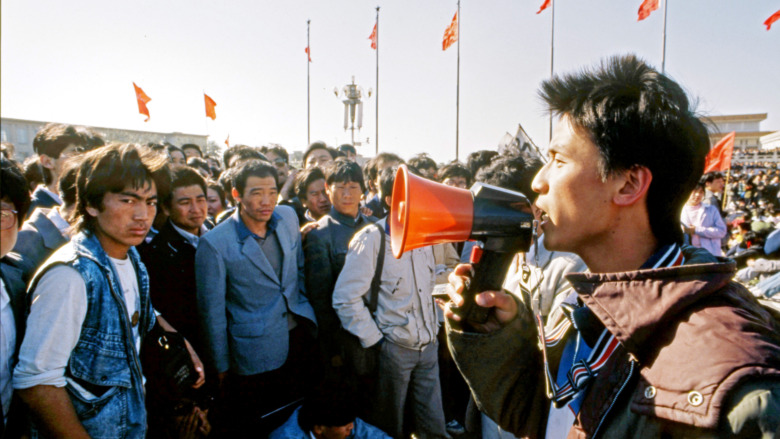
(79,370)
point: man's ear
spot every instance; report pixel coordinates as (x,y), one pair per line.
(93,211)
(165,209)
(46,161)
(327,189)
(635,183)
(389,200)
(236,195)
(317,429)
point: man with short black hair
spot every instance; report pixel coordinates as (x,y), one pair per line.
(310,190)
(258,324)
(78,369)
(14,202)
(176,155)
(55,143)
(714,184)
(656,340)
(317,154)
(47,229)
(170,256)
(191,150)
(425,165)
(381,162)
(326,247)
(455,174)
(349,152)
(403,328)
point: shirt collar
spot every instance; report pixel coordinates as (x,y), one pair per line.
(189,237)
(669,255)
(244,232)
(345,219)
(54,196)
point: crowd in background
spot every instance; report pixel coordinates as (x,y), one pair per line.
(267,270)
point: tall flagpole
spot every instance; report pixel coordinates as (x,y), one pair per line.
(376,136)
(552,55)
(457,93)
(308,86)
(663,59)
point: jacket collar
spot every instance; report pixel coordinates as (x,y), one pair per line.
(345,219)
(243,231)
(87,245)
(52,238)
(633,304)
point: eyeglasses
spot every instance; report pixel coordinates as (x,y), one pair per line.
(7,218)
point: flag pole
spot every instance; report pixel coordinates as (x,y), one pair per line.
(205,122)
(376,136)
(308,86)
(552,57)
(663,59)
(457,93)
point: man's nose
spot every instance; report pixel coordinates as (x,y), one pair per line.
(539,184)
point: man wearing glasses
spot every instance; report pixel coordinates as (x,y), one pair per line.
(14,202)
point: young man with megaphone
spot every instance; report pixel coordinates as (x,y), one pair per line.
(655,340)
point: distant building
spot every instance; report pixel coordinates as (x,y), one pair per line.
(747,127)
(748,143)
(771,142)
(21,133)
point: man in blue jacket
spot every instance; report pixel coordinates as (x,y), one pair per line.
(259,326)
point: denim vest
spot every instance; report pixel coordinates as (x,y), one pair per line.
(105,361)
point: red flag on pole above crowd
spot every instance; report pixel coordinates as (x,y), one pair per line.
(142,99)
(774,17)
(646,8)
(308,52)
(719,157)
(210,104)
(450,34)
(544,6)
(372,37)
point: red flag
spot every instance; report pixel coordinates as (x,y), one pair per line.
(450,34)
(372,37)
(772,19)
(142,99)
(646,8)
(227,141)
(210,104)
(719,157)
(544,6)
(308,53)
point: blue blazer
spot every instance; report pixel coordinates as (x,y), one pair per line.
(242,302)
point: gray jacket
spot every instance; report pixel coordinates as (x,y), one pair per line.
(38,239)
(242,303)
(406,313)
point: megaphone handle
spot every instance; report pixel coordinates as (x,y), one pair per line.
(489,275)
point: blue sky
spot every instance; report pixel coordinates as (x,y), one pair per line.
(75,62)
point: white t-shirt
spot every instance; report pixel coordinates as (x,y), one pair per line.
(129,284)
(58,310)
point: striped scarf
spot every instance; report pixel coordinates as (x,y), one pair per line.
(588,350)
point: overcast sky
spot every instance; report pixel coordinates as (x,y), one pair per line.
(75,61)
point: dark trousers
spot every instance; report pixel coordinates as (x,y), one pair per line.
(255,405)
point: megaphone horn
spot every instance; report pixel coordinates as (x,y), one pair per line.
(424,213)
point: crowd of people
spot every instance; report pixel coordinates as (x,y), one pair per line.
(154,291)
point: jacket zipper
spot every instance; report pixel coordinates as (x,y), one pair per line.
(612,404)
